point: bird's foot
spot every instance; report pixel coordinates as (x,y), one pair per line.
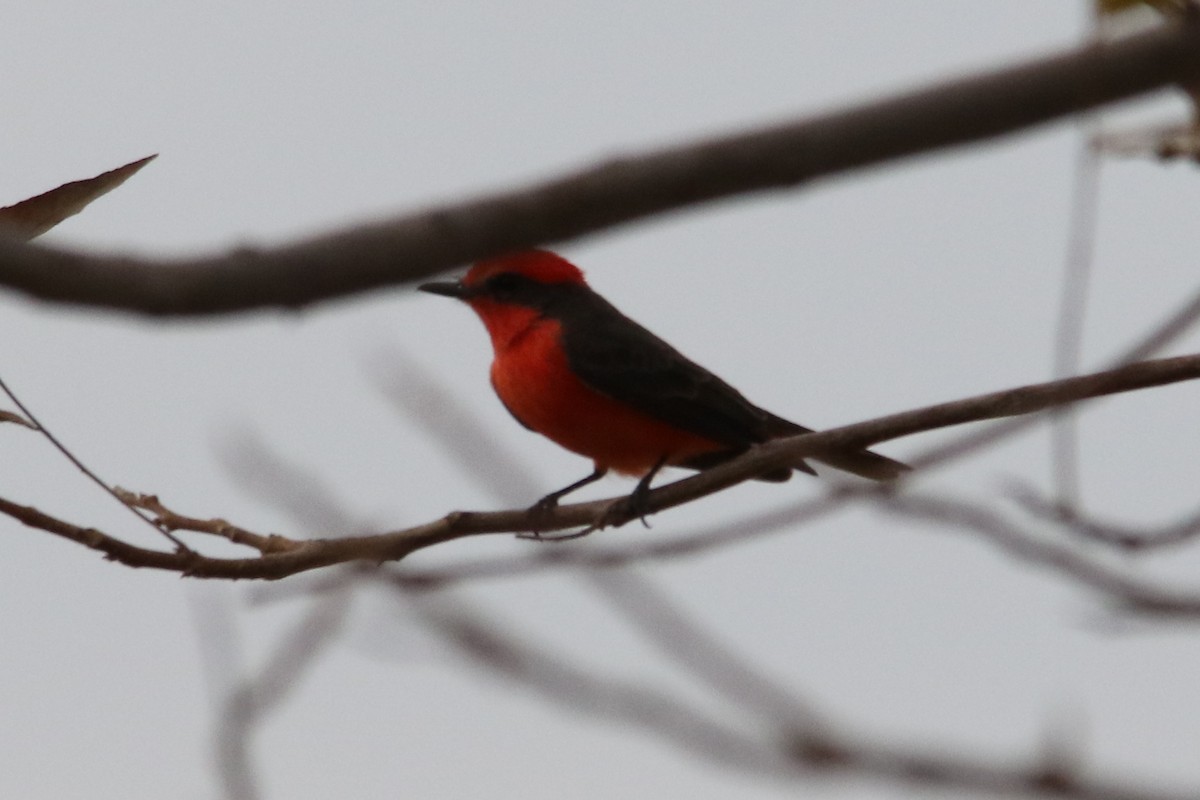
(619,512)
(626,509)
(539,511)
(545,505)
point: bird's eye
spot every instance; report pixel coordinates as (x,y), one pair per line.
(504,283)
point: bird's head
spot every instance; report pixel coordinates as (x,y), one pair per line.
(511,292)
(517,278)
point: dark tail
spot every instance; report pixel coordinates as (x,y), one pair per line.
(864,463)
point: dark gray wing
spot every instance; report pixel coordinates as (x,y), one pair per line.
(619,358)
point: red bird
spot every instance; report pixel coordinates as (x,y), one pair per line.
(570,366)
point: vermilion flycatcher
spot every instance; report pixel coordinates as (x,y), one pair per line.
(571,367)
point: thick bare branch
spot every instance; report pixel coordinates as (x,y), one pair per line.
(619,191)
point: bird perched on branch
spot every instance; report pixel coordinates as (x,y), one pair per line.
(570,366)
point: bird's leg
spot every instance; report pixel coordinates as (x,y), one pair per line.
(637,504)
(551,500)
(548,502)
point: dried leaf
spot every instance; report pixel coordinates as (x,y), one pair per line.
(9,416)
(35,216)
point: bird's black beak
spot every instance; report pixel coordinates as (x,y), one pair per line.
(446,289)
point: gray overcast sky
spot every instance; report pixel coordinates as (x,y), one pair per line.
(877,293)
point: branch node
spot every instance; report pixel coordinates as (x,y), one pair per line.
(818,752)
(1057,779)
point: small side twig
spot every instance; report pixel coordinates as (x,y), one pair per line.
(170,520)
(37,425)
(1135,594)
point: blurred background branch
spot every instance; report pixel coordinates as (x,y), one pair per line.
(403,250)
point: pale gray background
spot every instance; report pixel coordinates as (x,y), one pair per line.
(877,293)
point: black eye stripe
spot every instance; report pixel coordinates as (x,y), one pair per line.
(510,287)
(505,282)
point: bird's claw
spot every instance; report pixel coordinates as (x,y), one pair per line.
(626,509)
(619,512)
(544,506)
(538,536)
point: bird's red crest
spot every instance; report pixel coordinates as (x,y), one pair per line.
(539,265)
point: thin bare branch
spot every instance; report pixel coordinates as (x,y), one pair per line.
(299,493)
(486,642)
(403,250)
(1128,538)
(1134,593)
(257,697)
(794,755)
(1068,339)
(1164,334)
(906,766)
(290,556)
(66,453)
(433,578)
(668,628)
(287,486)
(413,391)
